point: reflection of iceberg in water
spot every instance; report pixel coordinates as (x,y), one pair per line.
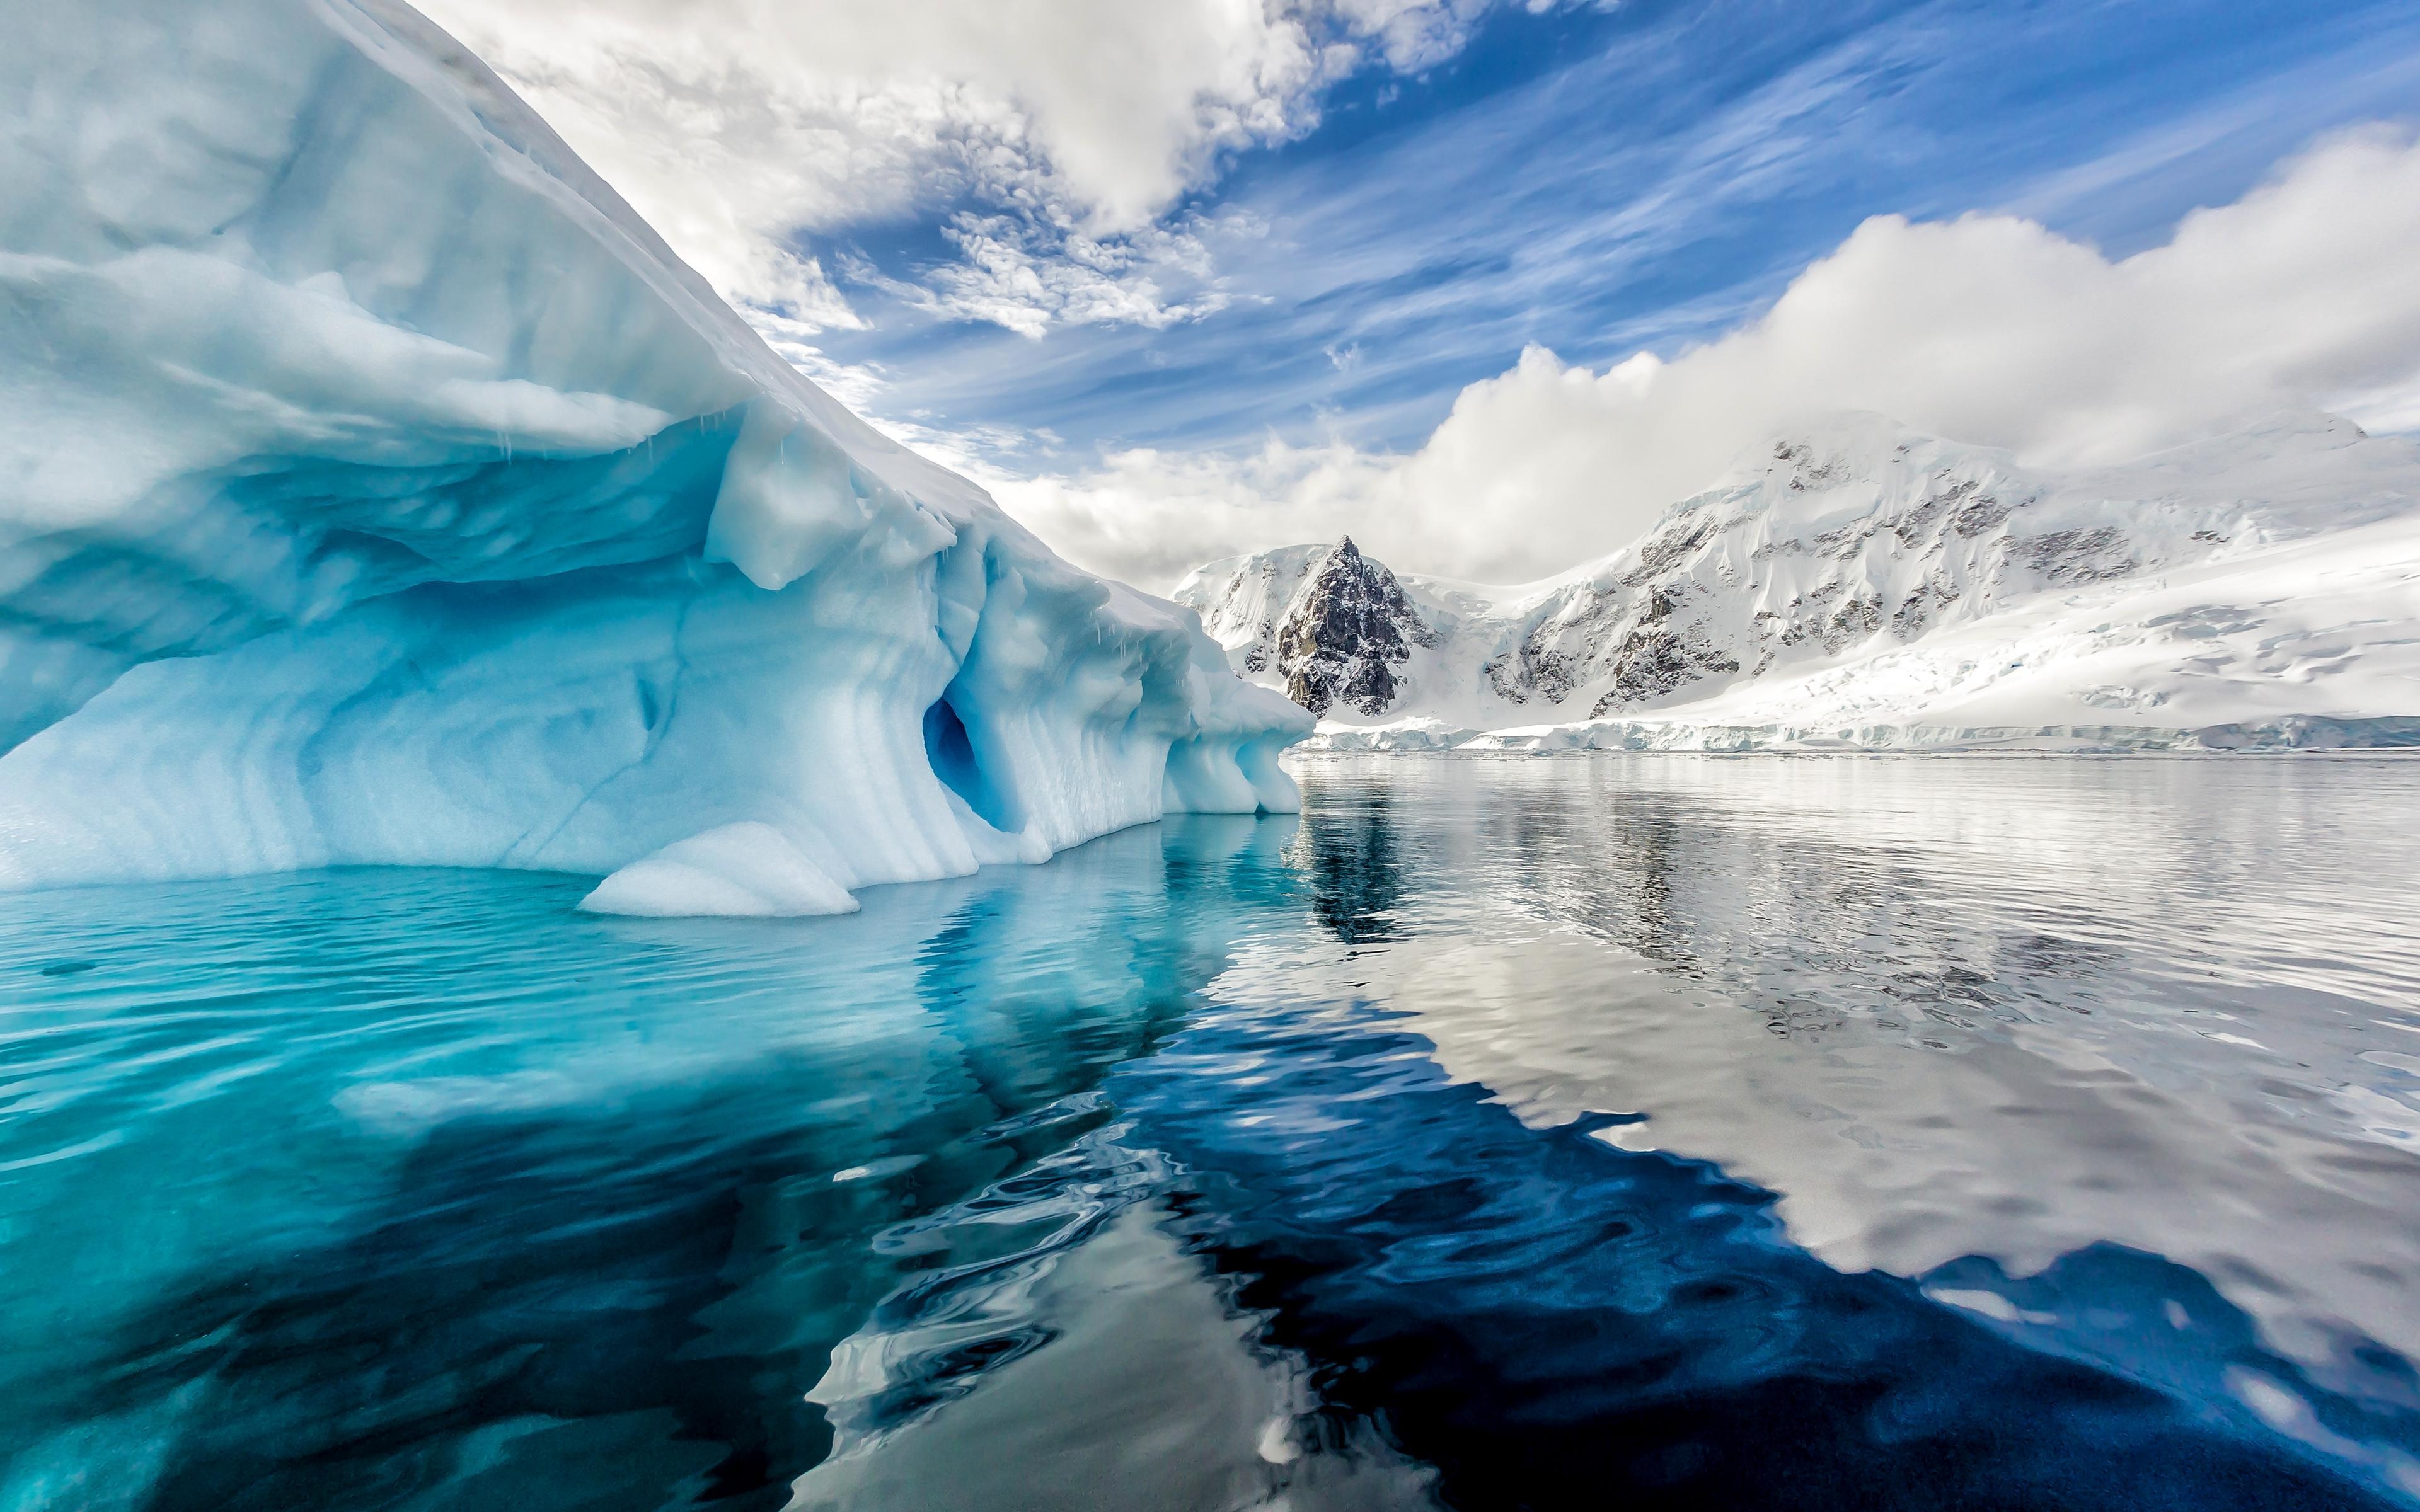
(529,1263)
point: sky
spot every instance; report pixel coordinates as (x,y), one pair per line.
(1488,284)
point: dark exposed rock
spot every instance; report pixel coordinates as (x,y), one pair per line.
(2076,556)
(1655,661)
(1659,551)
(1805,470)
(1916,527)
(1916,610)
(1855,621)
(1979,516)
(1801,627)
(1348,635)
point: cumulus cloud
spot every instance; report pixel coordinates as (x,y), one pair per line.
(740,127)
(1989,328)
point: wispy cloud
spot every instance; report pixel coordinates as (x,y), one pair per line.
(1027,273)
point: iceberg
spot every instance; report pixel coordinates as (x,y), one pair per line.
(385,491)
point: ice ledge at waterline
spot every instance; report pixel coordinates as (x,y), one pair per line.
(382,490)
(2272,735)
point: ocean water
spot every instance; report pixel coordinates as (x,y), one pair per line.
(1657,1132)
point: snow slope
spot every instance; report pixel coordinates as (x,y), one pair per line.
(384,490)
(1865,587)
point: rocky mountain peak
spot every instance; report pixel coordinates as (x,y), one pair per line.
(1347,635)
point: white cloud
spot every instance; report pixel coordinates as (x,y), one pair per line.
(1026,273)
(735,126)
(1989,328)
(1412,35)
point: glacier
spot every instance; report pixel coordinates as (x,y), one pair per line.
(382,490)
(1861,586)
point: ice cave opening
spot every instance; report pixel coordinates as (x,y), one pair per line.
(960,768)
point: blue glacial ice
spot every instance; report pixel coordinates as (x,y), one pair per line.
(384,490)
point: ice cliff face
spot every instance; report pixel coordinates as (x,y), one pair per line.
(1862,584)
(382,490)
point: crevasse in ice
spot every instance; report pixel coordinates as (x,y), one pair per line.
(380,489)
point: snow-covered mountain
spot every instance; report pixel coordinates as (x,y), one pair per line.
(1330,627)
(382,490)
(1861,585)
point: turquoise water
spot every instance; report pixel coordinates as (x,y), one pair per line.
(1670,1132)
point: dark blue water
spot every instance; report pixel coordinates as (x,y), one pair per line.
(1507,1133)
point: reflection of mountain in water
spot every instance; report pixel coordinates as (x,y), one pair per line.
(1356,869)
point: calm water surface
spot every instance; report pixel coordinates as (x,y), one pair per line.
(1637,1132)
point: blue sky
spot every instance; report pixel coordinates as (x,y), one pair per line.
(1602,181)
(1186,278)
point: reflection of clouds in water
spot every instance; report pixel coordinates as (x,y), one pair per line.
(2381,1116)
(1951,1008)
(1549,1322)
(1065,1333)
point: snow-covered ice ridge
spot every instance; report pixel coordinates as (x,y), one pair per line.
(1863,587)
(384,490)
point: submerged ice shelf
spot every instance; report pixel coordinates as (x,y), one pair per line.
(388,492)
